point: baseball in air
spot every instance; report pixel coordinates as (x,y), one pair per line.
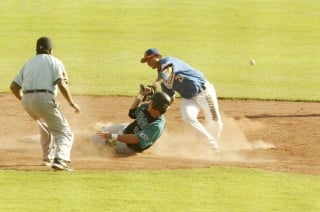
(252,62)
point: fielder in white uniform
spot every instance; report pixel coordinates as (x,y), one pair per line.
(36,86)
(197,93)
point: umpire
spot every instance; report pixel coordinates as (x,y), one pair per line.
(38,80)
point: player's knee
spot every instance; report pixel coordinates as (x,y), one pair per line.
(187,119)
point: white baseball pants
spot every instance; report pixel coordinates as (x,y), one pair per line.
(207,102)
(120,147)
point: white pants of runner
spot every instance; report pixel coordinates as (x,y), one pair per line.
(120,147)
(207,102)
(55,134)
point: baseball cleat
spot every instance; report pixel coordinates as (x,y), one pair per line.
(59,164)
(214,145)
(47,162)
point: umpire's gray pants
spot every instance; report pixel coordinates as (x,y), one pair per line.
(55,134)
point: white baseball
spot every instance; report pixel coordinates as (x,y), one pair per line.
(252,62)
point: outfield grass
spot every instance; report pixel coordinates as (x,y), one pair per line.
(213,189)
(101,43)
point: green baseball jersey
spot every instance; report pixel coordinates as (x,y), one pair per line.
(147,128)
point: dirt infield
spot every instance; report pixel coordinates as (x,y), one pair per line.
(271,135)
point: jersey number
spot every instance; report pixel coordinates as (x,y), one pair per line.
(173,77)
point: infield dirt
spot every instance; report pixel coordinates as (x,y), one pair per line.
(271,135)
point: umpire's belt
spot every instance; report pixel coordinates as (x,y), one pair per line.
(37,91)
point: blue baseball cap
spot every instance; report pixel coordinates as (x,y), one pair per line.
(149,53)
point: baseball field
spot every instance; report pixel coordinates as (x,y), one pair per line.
(269,157)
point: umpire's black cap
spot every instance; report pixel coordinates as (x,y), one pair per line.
(44,44)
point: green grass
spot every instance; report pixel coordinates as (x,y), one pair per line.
(101,43)
(212,189)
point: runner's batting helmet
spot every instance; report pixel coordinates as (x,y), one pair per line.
(160,102)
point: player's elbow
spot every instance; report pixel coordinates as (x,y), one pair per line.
(14,87)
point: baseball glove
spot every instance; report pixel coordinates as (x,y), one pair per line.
(147,91)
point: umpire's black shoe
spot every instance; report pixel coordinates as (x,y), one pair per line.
(59,164)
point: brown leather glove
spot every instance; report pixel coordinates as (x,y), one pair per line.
(147,91)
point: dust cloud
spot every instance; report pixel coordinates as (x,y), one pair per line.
(234,145)
(180,142)
(85,146)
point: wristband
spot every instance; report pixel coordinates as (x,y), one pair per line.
(140,97)
(114,136)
